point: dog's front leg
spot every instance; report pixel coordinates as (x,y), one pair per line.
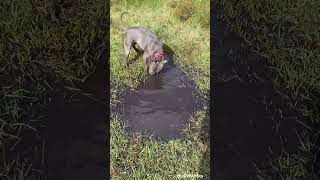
(145,63)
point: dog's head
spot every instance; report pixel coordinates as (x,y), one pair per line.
(156,66)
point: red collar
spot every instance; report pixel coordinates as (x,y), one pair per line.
(158,56)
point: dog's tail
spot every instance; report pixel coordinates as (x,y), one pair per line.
(121,22)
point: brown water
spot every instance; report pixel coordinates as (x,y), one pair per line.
(161,105)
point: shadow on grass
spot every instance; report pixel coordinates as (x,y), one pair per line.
(251,118)
(77,130)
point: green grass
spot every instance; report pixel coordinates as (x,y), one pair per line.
(188,40)
(187,34)
(38,58)
(138,157)
(287,34)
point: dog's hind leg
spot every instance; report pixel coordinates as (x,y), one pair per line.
(127,46)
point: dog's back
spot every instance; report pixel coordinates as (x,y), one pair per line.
(146,39)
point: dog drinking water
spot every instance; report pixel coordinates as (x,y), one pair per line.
(145,41)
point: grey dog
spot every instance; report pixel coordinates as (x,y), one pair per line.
(145,41)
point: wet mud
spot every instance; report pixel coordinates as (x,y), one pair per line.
(161,106)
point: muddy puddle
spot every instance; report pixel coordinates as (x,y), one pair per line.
(161,106)
(250,118)
(77,132)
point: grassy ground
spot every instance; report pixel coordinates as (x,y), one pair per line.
(37,59)
(287,34)
(184,27)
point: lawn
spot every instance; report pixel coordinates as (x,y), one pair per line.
(183,26)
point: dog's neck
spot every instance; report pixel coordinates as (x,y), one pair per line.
(158,56)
